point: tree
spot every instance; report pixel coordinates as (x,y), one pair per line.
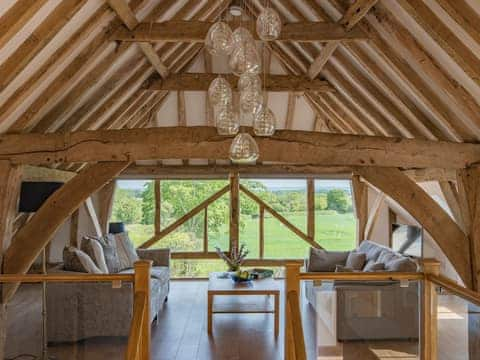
(126,207)
(321,202)
(148,203)
(337,200)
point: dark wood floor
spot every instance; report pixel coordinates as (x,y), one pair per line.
(181,334)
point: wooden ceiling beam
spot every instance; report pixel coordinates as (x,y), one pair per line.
(464,15)
(37,40)
(196,31)
(352,16)
(301,147)
(201,82)
(411,51)
(447,119)
(269,170)
(129,19)
(449,41)
(100,18)
(16,17)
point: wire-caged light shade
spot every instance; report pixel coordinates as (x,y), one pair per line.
(269,24)
(219,39)
(264,121)
(245,59)
(251,97)
(219,92)
(227,121)
(244,149)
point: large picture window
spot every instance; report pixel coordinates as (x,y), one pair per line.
(274,218)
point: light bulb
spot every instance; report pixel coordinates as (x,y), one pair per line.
(269,24)
(264,122)
(219,39)
(219,92)
(244,149)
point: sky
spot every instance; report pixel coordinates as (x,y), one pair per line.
(271,184)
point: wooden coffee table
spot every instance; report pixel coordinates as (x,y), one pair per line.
(225,286)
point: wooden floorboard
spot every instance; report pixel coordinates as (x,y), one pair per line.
(181,333)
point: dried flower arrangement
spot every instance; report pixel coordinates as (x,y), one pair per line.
(236,257)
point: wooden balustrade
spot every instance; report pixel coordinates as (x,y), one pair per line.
(294,341)
(140,336)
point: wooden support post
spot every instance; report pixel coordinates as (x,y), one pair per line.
(234,210)
(74,229)
(311,208)
(292,283)
(261,231)
(468,182)
(360,196)
(105,204)
(10,177)
(205,230)
(92,214)
(142,285)
(429,324)
(158,206)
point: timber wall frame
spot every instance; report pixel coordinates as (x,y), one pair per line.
(234,188)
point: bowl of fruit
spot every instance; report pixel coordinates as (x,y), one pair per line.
(241,276)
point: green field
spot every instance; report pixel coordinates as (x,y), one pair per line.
(332,230)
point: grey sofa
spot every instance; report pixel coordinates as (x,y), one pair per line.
(78,311)
(373,310)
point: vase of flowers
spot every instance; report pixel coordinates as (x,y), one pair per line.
(235,258)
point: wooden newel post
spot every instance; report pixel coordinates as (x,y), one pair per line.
(142,284)
(292,283)
(429,312)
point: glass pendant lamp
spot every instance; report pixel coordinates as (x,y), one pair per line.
(244,149)
(219,39)
(219,92)
(269,24)
(264,121)
(227,120)
(245,59)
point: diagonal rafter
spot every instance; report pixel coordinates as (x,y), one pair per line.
(353,15)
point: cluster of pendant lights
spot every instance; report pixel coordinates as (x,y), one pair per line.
(245,62)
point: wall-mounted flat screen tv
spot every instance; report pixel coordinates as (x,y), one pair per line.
(407,239)
(34,193)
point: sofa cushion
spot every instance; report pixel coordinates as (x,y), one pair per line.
(374,266)
(125,250)
(325,261)
(110,253)
(341,268)
(76,260)
(401,264)
(356,260)
(371,249)
(94,249)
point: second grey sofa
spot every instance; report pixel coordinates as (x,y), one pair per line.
(373,310)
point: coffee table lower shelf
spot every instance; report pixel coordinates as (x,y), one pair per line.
(264,307)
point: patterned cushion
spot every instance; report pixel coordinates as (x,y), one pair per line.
(401,265)
(356,260)
(109,246)
(125,250)
(94,249)
(76,260)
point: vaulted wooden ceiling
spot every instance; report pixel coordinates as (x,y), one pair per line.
(413,72)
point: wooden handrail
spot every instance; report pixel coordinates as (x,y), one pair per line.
(296,326)
(36,278)
(135,336)
(453,287)
(361,276)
